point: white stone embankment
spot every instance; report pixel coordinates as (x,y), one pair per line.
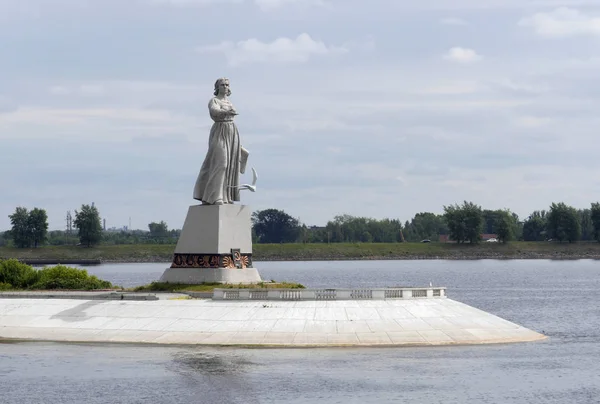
(392,322)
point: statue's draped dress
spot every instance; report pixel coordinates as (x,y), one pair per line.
(220,172)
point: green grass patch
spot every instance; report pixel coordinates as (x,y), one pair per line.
(353,251)
(209,287)
(122,253)
(322,252)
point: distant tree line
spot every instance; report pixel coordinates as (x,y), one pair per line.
(465,223)
(30,230)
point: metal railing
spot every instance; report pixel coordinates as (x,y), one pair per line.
(330,294)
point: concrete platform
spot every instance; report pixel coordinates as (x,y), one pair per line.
(194,276)
(394,322)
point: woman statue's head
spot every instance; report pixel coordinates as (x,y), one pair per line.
(222,86)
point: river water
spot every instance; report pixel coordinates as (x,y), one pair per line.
(559,298)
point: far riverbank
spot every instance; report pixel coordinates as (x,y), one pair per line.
(320,252)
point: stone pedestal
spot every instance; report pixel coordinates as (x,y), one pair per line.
(215,246)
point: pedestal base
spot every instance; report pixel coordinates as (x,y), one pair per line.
(215,246)
(194,276)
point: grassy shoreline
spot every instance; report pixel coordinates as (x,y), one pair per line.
(323,252)
(209,287)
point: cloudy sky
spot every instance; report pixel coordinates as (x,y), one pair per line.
(380,108)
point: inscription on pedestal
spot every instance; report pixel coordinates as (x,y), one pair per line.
(231,261)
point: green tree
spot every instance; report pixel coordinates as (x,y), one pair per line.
(20,231)
(454,217)
(158,229)
(275,226)
(465,223)
(87,222)
(504,226)
(563,223)
(490,219)
(28,228)
(587,226)
(425,225)
(38,226)
(61,237)
(315,234)
(595,217)
(534,228)
(518,226)
(351,229)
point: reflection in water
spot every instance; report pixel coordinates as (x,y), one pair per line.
(223,376)
(200,363)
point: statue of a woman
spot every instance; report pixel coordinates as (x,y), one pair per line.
(218,180)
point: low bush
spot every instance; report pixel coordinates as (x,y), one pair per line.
(63,277)
(17,275)
(5,286)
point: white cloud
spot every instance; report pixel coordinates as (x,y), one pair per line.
(92,90)
(532,121)
(462,55)
(427,5)
(269,5)
(107,123)
(523,86)
(367,44)
(452,88)
(192,3)
(86,90)
(562,22)
(6,104)
(453,21)
(123,90)
(281,50)
(264,5)
(17,9)
(59,90)
(476,5)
